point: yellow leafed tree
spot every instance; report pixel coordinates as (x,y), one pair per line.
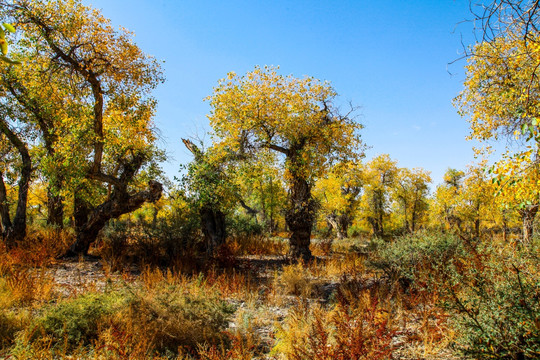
(339,194)
(294,117)
(85,89)
(502,101)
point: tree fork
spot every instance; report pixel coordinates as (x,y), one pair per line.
(119,203)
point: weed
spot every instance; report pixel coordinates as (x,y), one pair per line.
(75,322)
(295,280)
(362,330)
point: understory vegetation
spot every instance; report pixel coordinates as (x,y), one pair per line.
(427,295)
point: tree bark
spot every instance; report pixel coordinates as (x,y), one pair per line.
(81,211)
(88,223)
(4,209)
(55,204)
(527,216)
(416,211)
(213,227)
(45,121)
(344,222)
(505,229)
(377,220)
(333,222)
(17,231)
(376,226)
(340,223)
(299,218)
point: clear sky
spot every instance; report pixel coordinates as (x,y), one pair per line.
(390,58)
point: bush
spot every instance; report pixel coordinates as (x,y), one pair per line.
(491,290)
(76,321)
(296,280)
(243,226)
(497,302)
(349,330)
(170,317)
(155,240)
(163,318)
(354,231)
(409,256)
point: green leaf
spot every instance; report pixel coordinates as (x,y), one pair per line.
(9,27)
(2,34)
(534,122)
(523,129)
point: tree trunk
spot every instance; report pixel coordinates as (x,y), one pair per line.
(505,229)
(19,221)
(55,209)
(414,216)
(5,219)
(527,216)
(375,226)
(377,205)
(17,230)
(406,214)
(45,121)
(81,211)
(213,226)
(344,221)
(340,223)
(89,222)
(299,218)
(333,221)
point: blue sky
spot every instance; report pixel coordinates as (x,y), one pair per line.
(390,58)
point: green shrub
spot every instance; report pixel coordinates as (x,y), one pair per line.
(76,321)
(241,225)
(497,302)
(354,231)
(407,256)
(159,239)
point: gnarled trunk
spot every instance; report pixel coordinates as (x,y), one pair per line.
(89,222)
(5,219)
(213,227)
(528,214)
(333,221)
(340,223)
(17,230)
(299,218)
(376,226)
(55,209)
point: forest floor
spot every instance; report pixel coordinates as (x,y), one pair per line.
(278,304)
(427,295)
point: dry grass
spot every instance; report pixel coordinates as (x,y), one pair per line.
(238,307)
